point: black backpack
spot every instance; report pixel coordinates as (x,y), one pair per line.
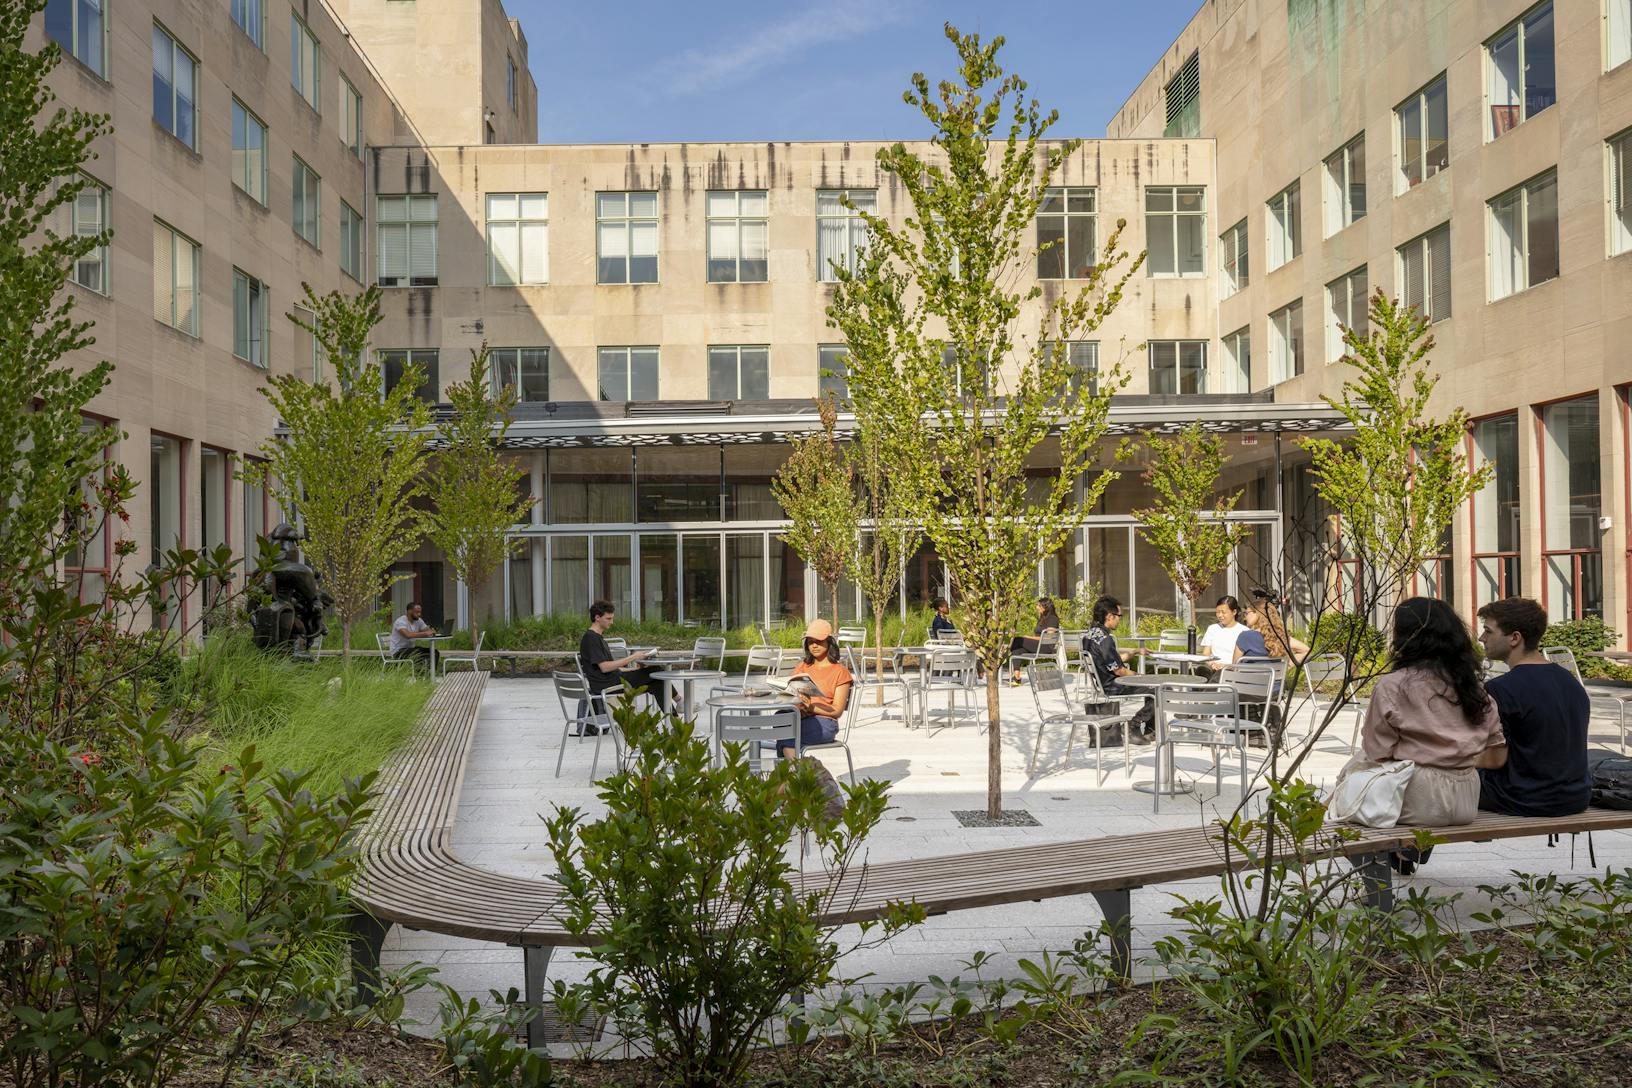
(1611,781)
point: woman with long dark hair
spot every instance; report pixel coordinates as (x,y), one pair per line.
(1432,709)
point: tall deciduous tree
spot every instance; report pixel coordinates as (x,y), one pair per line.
(472,486)
(816,488)
(351,460)
(50,451)
(969,427)
(1186,525)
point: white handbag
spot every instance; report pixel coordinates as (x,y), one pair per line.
(1369,793)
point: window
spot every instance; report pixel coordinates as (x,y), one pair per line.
(1232,245)
(1345,308)
(739,373)
(841,234)
(1065,234)
(79,27)
(407,240)
(308,355)
(833,370)
(1237,377)
(1425,273)
(1620,193)
(1522,82)
(518,238)
(626,237)
(1182,99)
(1424,125)
(1524,236)
(308,200)
(248,152)
(305,57)
(1285,221)
(1619,33)
(249,320)
(1286,343)
(1175,224)
(738,237)
(1083,358)
(255,503)
(1496,511)
(351,242)
(175,279)
(250,16)
(89,560)
(1178,366)
(526,370)
(628,373)
(166,527)
(351,117)
(175,88)
(90,220)
(1572,559)
(1346,185)
(511,94)
(395,361)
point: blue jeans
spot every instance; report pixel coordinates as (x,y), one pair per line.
(813,729)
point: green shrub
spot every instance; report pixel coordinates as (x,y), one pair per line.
(1586,636)
(1349,635)
(1154,623)
(479,1043)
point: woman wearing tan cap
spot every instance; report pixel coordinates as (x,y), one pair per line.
(819,714)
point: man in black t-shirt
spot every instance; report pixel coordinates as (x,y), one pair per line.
(1545,713)
(605,672)
(1110,664)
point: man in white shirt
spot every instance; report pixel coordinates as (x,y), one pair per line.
(406,630)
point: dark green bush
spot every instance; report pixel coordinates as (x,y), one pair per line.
(1348,634)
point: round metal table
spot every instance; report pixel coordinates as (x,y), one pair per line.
(1164,781)
(685,679)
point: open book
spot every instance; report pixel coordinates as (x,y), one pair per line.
(795,685)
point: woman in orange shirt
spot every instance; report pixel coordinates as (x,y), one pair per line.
(819,714)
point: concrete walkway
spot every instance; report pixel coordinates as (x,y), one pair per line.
(511,784)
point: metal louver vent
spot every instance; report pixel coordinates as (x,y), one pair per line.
(1183,100)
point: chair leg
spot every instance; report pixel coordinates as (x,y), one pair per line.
(1031,768)
(851,764)
(595,761)
(566,727)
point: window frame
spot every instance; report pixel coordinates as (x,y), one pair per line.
(1420,99)
(427,392)
(351,240)
(1618,162)
(177,238)
(256,37)
(833,370)
(1290,200)
(177,47)
(1175,213)
(738,219)
(512,86)
(70,48)
(258,337)
(351,117)
(628,221)
(302,177)
(1617,17)
(1239,370)
(1576,557)
(299,34)
(736,352)
(1425,240)
(1087,367)
(628,353)
(250,117)
(1336,319)
(519,221)
(825,274)
(1519,28)
(1290,361)
(1522,192)
(410,225)
(1178,366)
(1232,285)
(100,253)
(1339,195)
(1065,215)
(496,360)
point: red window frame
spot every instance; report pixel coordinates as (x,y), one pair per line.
(1576,555)
(1501,558)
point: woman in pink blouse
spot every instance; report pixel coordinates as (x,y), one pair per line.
(1431,708)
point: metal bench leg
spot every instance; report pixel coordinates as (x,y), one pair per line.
(1378,880)
(536,969)
(367,938)
(1115,906)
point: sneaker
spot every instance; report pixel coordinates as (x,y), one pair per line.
(1015,681)
(585,729)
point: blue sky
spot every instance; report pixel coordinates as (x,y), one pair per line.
(642,70)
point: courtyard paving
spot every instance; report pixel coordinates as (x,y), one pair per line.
(511,784)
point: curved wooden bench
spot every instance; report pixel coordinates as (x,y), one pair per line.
(411,876)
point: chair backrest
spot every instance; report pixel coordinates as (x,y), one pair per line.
(766,659)
(1187,702)
(617,647)
(1276,665)
(1071,645)
(852,634)
(1559,655)
(476,647)
(1495,668)
(1049,641)
(1249,681)
(578,703)
(710,649)
(952,663)
(752,726)
(383,641)
(1050,688)
(949,638)
(1322,668)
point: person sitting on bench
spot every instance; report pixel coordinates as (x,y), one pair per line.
(1545,713)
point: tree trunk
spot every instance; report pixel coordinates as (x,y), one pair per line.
(833,594)
(878,649)
(345,643)
(994,742)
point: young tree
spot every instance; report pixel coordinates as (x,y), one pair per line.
(1192,547)
(350,461)
(472,486)
(969,409)
(817,489)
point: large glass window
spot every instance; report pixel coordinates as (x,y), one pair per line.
(738,372)
(526,370)
(305,60)
(677,483)
(1345,308)
(407,240)
(1232,248)
(1178,366)
(626,237)
(1524,236)
(1620,193)
(166,529)
(250,15)
(90,219)
(1423,125)
(1572,556)
(175,279)
(395,361)
(1425,273)
(841,234)
(1237,377)
(591,486)
(79,27)
(351,242)
(307,215)
(749,469)
(1496,510)
(744,579)
(738,237)
(1286,342)
(518,238)
(248,151)
(832,370)
(614,575)
(249,318)
(628,373)
(1619,33)
(1346,185)
(175,88)
(1175,229)
(569,576)
(1522,80)
(700,579)
(1285,220)
(1065,234)
(351,117)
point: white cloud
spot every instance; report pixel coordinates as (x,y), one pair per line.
(734,58)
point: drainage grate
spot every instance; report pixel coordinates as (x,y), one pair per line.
(1014,817)
(556,1030)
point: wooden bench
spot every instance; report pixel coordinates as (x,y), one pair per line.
(410,875)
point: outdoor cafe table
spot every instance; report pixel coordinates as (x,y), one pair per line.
(685,679)
(1166,781)
(747,699)
(433,640)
